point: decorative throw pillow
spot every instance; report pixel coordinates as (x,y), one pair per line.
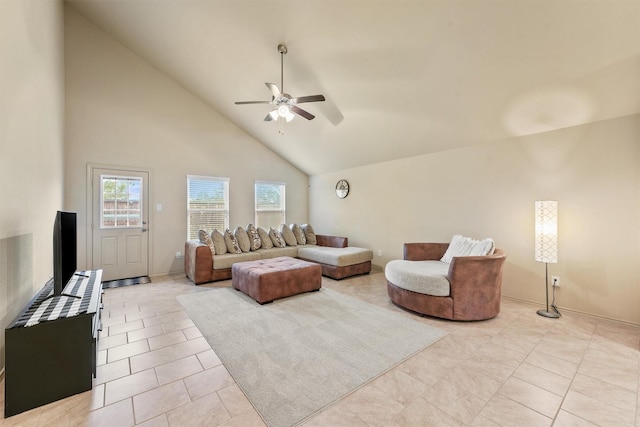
(231,242)
(297,231)
(206,239)
(254,237)
(309,234)
(218,242)
(492,249)
(276,238)
(466,246)
(243,239)
(266,239)
(287,235)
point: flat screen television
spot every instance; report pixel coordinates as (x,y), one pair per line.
(64,250)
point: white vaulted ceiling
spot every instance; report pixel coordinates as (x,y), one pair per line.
(401,78)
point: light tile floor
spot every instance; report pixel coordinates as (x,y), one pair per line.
(519,369)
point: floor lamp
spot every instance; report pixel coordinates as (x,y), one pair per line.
(546,214)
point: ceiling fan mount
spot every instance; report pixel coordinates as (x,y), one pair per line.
(285,106)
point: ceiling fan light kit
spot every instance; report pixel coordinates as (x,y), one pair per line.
(284,105)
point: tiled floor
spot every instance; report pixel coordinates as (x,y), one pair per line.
(519,369)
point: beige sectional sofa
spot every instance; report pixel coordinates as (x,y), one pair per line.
(337,259)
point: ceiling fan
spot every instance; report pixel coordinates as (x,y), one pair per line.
(284,104)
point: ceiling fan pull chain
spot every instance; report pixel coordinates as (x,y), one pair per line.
(281,125)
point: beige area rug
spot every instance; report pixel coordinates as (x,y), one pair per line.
(297,355)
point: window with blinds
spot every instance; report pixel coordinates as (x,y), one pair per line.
(270,206)
(207,204)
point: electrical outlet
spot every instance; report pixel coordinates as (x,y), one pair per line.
(555,281)
(379,252)
(178,254)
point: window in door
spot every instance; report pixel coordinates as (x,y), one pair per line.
(269,204)
(120,201)
(207,204)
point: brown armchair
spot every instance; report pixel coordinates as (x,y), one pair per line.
(475,285)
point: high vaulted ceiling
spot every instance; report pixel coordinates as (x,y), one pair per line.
(401,78)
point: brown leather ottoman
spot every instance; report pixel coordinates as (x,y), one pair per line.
(268,279)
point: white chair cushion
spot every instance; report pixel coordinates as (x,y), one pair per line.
(424,277)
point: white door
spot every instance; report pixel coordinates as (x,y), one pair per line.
(120,238)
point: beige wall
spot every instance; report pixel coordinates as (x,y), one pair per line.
(122,111)
(489,191)
(31,148)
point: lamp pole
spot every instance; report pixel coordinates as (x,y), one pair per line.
(547,313)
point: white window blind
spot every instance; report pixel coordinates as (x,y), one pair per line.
(270,206)
(207,204)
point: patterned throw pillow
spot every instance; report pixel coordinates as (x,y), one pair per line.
(297,231)
(309,234)
(243,239)
(276,238)
(218,242)
(266,239)
(206,239)
(287,235)
(254,237)
(231,242)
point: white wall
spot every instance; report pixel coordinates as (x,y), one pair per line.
(122,111)
(31,148)
(489,191)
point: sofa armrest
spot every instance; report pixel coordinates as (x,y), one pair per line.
(476,280)
(424,251)
(198,261)
(332,241)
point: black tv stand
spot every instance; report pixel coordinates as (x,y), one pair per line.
(51,346)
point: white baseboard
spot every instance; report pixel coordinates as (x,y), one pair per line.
(582,313)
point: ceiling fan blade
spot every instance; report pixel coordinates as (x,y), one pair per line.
(310,98)
(299,111)
(252,102)
(268,118)
(274,90)
(331,111)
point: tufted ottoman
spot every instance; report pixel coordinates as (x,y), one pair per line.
(268,279)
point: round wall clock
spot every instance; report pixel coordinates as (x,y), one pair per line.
(342,188)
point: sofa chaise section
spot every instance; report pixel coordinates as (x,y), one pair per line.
(337,258)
